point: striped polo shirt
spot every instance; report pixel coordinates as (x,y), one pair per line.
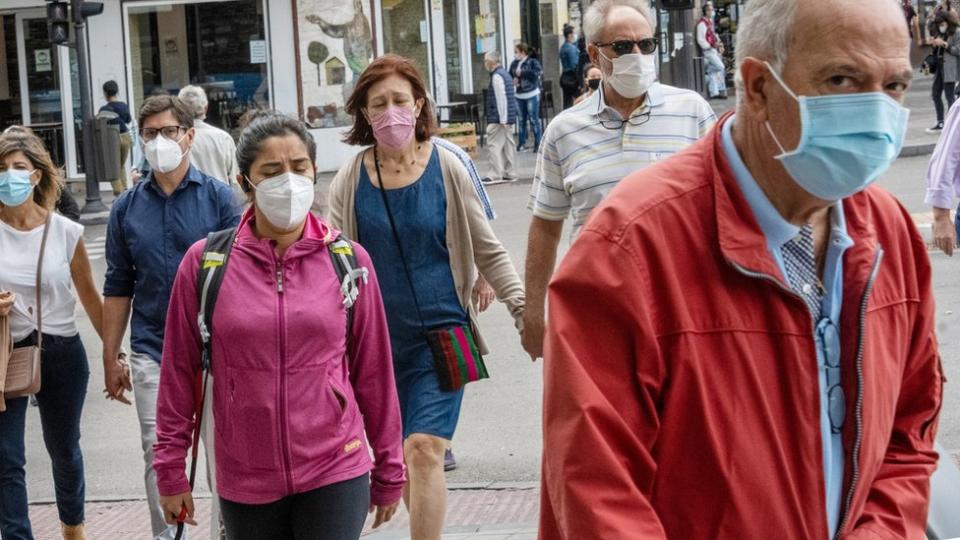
(580,160)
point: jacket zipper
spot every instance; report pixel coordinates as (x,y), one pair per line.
(858,410)
(283,382)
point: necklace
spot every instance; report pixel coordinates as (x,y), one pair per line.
(412,161)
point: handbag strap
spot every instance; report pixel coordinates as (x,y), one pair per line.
(396,238)
(43,245)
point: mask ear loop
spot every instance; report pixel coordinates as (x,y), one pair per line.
(789,92)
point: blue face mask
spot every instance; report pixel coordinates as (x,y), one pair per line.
(846,141)
(15,187)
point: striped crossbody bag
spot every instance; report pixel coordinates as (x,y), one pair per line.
(456,357)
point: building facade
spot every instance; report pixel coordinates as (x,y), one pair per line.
(298,56)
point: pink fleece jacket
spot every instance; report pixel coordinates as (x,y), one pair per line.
(293,409)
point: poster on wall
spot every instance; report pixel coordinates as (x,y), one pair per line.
(336,45)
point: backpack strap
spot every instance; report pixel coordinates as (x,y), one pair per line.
(213,266)
(349,275)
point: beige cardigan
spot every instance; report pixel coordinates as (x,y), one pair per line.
(470,240)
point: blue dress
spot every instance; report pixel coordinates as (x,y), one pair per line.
(420,213)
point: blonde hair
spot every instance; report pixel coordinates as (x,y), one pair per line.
(51,180)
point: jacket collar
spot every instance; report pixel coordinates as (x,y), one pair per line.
(741,239)
(316,234)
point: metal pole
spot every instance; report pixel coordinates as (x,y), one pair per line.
(93,204)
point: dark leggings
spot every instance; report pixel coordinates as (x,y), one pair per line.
(334,512)
(940,87)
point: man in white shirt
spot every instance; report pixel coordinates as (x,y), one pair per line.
(214,153)
(629,123)
(712,49)
(501,109)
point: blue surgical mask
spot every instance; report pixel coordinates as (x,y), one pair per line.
(15,187)
(846,141)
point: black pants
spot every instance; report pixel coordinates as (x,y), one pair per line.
(940,87)
(570,86)
(334,512)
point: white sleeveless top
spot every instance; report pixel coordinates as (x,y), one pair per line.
(19,251)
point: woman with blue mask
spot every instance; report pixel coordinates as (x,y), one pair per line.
(29,187)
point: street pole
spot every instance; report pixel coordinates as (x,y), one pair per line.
(93,204)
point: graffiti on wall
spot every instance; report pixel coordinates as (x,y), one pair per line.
(336,45)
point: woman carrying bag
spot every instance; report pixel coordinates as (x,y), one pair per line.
(411,204)
(33,237)
(304,392)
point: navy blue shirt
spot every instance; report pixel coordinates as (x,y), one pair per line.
(147,237)
(569,56)
(123,114)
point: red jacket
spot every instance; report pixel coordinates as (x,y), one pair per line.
(688,407)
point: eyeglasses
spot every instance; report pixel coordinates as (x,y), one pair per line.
(170,132)
(637,119)
(625,46)
(828,337)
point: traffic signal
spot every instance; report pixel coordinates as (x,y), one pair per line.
(89,9)
(58,23)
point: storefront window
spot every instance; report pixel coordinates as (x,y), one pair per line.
(220,46)
(336,45)
(451,42)
(405,32)
(485,25)
(10,108)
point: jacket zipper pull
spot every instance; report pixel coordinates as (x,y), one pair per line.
(279,278)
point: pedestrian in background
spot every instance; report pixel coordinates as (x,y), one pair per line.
(569,62)
(526,72)
(122,121)
(412,206)
(711,48)
(213,152)
(946,51)
(592,77)
(501,115)
(630,123)
(761,359)
(943,182)
(339,395)
(31,231)
(151,227)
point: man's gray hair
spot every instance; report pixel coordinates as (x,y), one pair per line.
(596,16)
(492,56)
(195,99)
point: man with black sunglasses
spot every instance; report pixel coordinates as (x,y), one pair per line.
(151,226)
(630,123)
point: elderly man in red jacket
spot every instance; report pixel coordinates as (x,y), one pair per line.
(760,358)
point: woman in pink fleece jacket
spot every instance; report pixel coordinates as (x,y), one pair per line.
(296,401)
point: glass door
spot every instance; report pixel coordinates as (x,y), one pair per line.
(43,86)
(406,32)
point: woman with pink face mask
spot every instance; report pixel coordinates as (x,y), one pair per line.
(414,209)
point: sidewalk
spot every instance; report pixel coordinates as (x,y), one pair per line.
(507,512)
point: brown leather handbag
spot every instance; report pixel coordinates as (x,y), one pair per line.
(21,366)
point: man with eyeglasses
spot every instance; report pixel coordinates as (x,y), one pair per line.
(741,341)
(630,123)
(151,227)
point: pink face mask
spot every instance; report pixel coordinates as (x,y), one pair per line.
(394,127)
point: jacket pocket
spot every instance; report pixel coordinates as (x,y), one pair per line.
(248,424)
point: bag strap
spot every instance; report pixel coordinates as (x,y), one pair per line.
(213,266)
(349,273)
(43,247)
(396,238)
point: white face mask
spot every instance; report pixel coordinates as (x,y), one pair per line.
(284,199)
(943,28)
(163,154)
(632,74)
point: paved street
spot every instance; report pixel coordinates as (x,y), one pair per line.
(498,442)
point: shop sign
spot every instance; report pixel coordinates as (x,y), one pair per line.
(43,60)
(258,51)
